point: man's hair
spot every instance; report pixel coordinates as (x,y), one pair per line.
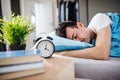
(61,29)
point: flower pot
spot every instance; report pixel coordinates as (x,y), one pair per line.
(2,46)
(17,47)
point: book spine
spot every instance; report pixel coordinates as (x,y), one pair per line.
(21,67)
(19,60)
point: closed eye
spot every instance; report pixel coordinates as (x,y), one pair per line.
(74,36)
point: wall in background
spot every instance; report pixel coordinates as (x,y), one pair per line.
(6,8)
(83,11)
(104,6)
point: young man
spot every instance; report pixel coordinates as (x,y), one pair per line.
(99,29)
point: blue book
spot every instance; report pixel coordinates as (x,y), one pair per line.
(18,53)
(19,56)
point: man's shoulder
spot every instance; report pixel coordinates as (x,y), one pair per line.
(100,16)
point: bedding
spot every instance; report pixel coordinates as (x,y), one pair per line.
(115,38)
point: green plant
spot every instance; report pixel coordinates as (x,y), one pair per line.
(15,30)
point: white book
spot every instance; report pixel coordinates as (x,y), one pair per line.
(21,67)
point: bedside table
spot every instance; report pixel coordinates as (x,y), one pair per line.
(56,68)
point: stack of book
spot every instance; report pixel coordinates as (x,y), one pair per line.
(17,64)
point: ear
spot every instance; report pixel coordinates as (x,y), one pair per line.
(79,24)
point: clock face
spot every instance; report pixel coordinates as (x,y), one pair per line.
(46,48)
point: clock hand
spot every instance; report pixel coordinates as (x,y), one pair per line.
(46,48)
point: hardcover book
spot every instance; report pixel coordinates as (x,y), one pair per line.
(21,67)
(19,74)
(20,56)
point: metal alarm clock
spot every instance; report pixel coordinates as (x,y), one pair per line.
(46,47)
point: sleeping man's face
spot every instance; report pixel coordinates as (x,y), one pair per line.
(80,33)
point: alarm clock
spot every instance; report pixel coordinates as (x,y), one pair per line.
(46,47)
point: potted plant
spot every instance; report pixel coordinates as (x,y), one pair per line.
(15,31)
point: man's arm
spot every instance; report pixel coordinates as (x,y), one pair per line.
(100,51)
